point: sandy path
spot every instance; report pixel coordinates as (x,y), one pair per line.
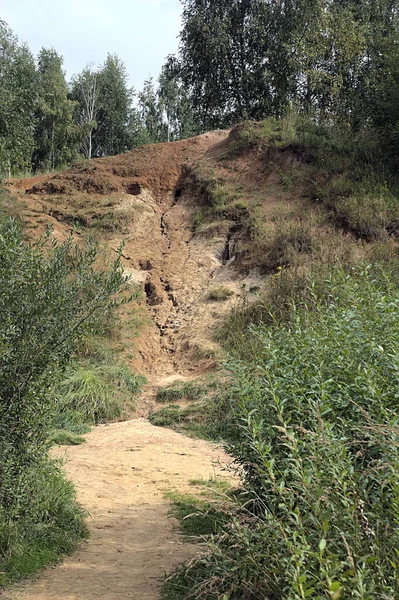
(121,474)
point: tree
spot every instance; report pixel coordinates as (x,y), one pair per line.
(174,99)
(112,136)
(152,113)
(228,60)
(254,58)
(18,94)
(57,137)
(86,91)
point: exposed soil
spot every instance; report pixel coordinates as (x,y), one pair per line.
(150,190)
(121,475)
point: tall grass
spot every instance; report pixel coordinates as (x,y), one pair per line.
(45,524)
(97,393)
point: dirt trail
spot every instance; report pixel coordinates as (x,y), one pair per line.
(123,470)
(121,474)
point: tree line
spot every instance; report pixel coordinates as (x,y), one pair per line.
(47,122)
(335,60)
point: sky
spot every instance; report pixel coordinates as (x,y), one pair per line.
(141,32)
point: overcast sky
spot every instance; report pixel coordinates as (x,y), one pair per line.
(141,32)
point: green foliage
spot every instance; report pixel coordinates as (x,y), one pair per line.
(341,49)
(112,135)
(18,93)
(317,440)
(98,393)
(57,137)
(42,525)
(51,295)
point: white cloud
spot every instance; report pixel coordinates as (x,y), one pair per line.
(141,32)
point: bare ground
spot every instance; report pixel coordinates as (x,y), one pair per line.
(121,474)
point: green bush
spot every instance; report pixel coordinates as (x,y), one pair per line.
(316,437)
(51,295)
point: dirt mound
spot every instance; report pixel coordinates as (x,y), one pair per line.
(204,223)
(156,167)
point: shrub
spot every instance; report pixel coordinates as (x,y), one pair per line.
(316,437)
(51,294)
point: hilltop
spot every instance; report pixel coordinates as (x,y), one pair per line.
(204,222)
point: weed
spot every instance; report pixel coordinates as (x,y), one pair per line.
(60,437)
(219,294)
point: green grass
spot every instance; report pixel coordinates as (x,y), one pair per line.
(61,437)
(197,516)
(9,205)
(47,523)
(182,391)
(98,393)
(207,416)
(342,170)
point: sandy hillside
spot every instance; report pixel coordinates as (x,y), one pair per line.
(150,200)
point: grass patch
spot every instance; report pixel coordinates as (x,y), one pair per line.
(219,294)
(10,206)
(98,393)
(187,390)
(207,417)
(342,170)
(61,437)
(217,486)
(197,517)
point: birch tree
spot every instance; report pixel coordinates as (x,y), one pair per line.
(86,90)
(57,136)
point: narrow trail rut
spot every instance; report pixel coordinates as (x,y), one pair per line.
(124,469)
(121,474)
